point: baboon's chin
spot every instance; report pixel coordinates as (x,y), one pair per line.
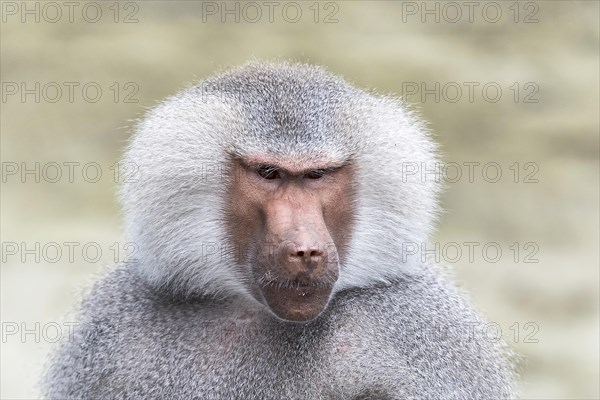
(297,304)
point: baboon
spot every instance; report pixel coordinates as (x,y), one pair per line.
(270,210)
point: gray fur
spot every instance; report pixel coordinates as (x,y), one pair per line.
(179,322)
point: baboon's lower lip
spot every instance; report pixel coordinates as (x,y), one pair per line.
(297,303)
(295,286)
(298,293)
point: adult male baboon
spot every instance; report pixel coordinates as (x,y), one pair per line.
(270,212)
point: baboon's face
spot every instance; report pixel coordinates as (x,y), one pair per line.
(290,223)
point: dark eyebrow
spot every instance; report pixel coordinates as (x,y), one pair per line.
(326,168)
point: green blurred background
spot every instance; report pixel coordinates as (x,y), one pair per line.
(549,49)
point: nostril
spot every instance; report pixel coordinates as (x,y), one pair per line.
(306,253)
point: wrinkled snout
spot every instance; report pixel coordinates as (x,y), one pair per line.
(300,261)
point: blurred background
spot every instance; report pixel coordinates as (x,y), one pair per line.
(511,90)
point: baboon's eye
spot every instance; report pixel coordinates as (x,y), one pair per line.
(268,172)
(315,174)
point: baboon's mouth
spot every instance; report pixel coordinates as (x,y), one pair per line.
(298,303)
(295,285)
